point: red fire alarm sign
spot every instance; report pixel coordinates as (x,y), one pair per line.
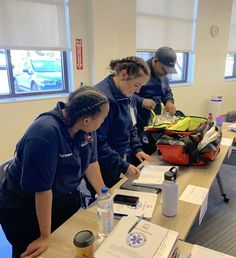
(79,54)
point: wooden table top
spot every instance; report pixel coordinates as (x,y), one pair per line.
(62,239)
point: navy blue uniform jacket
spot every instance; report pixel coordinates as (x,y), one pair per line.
(157,89)
(48,158)
(117,136)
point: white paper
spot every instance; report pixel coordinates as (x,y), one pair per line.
(196,195)
(232,127)
(203,209)
(226,141)
(229,152)
(199,251)
(152,175)
(144,241)
(146,204)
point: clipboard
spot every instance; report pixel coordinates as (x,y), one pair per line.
(127,185)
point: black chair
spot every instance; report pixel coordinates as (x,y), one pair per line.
(5,245)
(3,167)
(230,116)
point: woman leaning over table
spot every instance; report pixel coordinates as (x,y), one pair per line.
(39,191)
(118,142)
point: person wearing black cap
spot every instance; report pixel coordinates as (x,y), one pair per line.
(157,90)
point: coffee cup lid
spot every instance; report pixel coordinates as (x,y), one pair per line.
(84,238)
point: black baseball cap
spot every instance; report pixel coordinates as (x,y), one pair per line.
(167,57)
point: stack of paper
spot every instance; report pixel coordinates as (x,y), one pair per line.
(234,144)
(152,176)
(199,251)
(197,195)
(146,204)
(146,240)
(232,127)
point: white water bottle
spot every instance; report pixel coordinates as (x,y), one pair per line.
(170,193)
(105,213)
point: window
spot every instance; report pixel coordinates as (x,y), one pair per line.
(33,56)
(27,73)
(230,64)
(230,67)
(181,65)
(4,89)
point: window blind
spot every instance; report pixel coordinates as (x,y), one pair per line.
(232,32)
(164,23)
(32,24)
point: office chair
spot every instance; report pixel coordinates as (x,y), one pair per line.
(230,116)
(5,246)
(3,167)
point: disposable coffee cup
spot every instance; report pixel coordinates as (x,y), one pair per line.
(84,241)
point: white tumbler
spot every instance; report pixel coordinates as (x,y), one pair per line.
(170,193)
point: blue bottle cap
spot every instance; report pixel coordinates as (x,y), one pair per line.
(104,190)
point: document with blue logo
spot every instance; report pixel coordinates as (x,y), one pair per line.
(146,240)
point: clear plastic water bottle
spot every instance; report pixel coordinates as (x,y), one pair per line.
(105,213)
(170,193)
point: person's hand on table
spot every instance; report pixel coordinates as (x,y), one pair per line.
(36,248)
(142,156)
(132,172)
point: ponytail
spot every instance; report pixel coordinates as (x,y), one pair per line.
(131,64)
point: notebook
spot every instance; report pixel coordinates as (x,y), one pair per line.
(151,176)
(146,240)
(128,185)
(146,204)
(232,127)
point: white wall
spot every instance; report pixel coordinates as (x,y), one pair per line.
(107,28)
(210,55)
(113,27)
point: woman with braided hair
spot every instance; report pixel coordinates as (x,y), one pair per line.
(40,188)
(118,142)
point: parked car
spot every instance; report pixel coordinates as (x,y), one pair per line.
(38,75)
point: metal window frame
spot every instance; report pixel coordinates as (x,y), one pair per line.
(29,95)
(184,69)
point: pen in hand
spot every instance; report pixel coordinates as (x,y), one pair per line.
(136,223)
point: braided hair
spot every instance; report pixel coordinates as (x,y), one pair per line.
(131,64)
(85,101)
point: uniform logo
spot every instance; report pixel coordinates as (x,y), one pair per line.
(136,239)
(87,140)
(65,155)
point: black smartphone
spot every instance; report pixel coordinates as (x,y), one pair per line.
(126,199)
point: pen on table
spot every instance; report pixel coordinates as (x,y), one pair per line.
(176,253)
(136,223)
(141,166)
